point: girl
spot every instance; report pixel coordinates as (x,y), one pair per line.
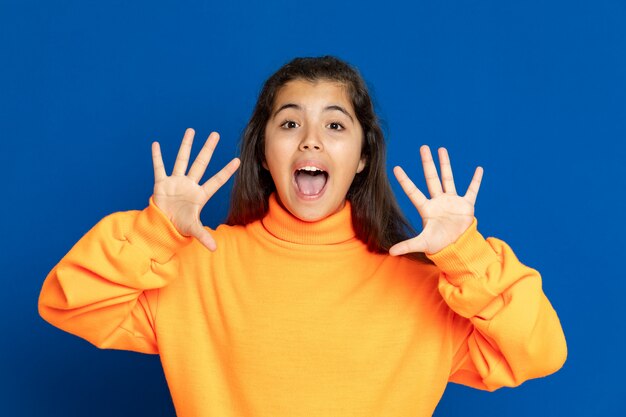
(302,305)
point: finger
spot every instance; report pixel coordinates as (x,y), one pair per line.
(415,195)
(472,190)
(182,159)
(157,163)
(204,157)
(416,244)
(199,232)
(446,172)
(219,179)
(430,172)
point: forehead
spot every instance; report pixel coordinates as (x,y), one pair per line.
(311,93)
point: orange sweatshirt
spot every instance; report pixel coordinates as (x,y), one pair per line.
(289,318)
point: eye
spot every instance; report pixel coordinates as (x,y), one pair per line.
(335,126)
(289,124)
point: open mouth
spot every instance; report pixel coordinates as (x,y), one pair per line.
(310,180)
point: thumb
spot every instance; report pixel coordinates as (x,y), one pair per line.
(416,244)
(199,232)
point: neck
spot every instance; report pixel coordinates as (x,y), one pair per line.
(334,229)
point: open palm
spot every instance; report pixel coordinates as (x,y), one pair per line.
(180,196)
(446,215)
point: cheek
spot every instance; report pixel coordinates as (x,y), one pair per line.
(357,162)
(268,143)
(269,153)
(348,170)
(274,160)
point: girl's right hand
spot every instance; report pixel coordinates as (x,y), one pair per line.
(180,196)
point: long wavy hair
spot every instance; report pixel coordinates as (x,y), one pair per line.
(376,217)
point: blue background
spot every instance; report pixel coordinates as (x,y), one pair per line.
(533,91)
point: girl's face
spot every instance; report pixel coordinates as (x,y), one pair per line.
(313,147)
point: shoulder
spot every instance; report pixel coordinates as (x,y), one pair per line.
(416,266)
(419,275)
(234,236)
(225,232)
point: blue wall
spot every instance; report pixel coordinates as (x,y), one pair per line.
(534,91)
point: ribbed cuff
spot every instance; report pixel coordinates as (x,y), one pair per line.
(468,257)
(155,234)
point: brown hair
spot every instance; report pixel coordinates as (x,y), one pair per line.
(376,217)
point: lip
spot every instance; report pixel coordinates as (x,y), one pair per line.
(311,163)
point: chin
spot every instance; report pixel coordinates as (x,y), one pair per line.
(310,216)
(312,211)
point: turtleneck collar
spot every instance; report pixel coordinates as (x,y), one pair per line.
(336,228)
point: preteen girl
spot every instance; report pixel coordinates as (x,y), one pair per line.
(315,298)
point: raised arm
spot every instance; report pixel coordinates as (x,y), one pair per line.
(505,330)
(513,333)
(105,289)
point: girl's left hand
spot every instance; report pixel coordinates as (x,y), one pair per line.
(446,215)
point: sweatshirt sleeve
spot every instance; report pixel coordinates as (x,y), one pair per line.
(506,330)
(105,289)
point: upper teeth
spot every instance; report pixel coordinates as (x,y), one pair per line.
(309,168)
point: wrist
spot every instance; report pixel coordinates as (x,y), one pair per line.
(155,234)
(468,257)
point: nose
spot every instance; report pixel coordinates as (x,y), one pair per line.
(311,141)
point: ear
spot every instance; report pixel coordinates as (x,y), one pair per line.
(361,165)
(264,164)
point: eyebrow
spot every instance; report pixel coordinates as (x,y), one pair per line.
(327,108)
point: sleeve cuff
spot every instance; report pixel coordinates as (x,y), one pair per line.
(468,257)
(155,235)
